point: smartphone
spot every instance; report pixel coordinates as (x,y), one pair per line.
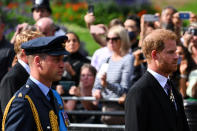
(179,61)
(150,18)
(184,15)
(90,8)
(95,29)
(192,31)
(141,56)
(67,85)
(102,70)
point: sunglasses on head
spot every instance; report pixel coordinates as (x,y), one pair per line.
(113,38)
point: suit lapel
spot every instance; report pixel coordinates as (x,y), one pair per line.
(163,99)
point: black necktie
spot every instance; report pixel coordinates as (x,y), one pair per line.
(50,94)
(168,87)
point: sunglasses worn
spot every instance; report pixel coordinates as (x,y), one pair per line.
(113,38)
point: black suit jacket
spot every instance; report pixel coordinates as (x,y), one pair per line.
(12,82)
(148,108)
(20,116)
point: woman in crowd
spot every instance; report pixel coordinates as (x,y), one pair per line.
(87,77)
(115,82)
(180,77)
(72,63)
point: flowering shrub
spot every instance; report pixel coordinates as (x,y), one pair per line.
(104,11)
(70,12)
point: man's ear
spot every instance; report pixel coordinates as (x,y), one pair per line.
(154,54)
(37,61)
(23,52)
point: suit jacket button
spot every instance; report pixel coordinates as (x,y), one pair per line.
(48,127)
(27,86)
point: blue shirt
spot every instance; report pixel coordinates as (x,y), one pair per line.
(42,87)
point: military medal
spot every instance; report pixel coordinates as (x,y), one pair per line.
(172,97)
(66,119)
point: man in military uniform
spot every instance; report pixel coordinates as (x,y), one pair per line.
(34,106)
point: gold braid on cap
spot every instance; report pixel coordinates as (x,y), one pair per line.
(6,112)
(53,121)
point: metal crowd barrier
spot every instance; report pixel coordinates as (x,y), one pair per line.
(88,98)
(82,112)
(191,113)
(189,105)
(94,127)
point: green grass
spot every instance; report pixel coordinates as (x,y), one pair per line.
(84,36)
(190,6)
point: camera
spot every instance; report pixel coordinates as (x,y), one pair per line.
(192,31)
(184,15)
(150,18)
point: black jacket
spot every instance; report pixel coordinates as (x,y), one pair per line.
(12,81)
(148,108)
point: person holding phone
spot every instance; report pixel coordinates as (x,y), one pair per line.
(166,18)
(115,82)
(87,78)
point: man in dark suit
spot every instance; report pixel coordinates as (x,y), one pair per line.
(152,103)
(6,51)
(18,75)
(34,107)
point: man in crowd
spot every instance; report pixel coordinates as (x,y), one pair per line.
(40,9)
(153,103)
(46,26)
(6,51)
(34,106)
(132,24)
(166,18)
(18,75)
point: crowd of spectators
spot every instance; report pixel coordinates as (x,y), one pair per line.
(116,65)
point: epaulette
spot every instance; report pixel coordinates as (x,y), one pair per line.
(23,91)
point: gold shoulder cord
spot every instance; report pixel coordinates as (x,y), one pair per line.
(53,117)
(35,113)
(6,112)
(33,108)
(53,121)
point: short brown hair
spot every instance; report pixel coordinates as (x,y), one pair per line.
(91,68)
(23,37)
(155,41)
